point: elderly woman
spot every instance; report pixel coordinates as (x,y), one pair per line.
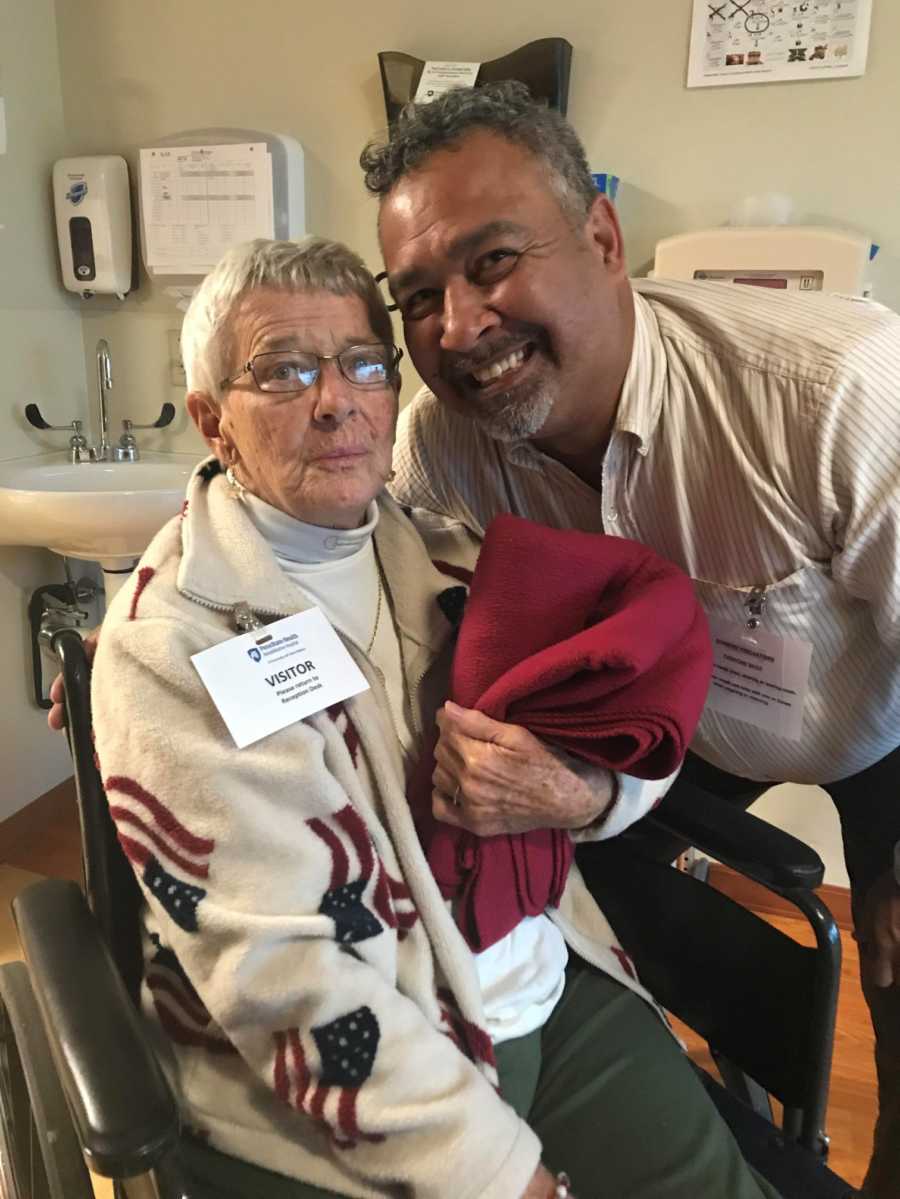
(327,1028)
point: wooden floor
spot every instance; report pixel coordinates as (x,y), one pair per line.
(46,842)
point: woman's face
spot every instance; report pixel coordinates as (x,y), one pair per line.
(320,455)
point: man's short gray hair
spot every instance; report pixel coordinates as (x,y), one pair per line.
(505,109)
(314,264)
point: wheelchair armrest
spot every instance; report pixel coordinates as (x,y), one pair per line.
(123,1109)
(739,839)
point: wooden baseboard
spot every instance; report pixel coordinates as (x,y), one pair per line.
(29,823)
(760,899)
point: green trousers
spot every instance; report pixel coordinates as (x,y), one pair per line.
(608,1091)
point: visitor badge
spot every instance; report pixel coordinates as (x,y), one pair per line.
(759,678)
(275,675)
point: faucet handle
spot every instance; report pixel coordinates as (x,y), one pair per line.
(127,449)
(166,416)
(33,416)
(78,446)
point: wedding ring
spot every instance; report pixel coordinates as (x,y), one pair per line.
(455,799)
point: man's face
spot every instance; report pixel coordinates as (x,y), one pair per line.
(513,313)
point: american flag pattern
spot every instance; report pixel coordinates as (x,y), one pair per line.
(346,728)
(360,889)
(455,572)
(392,900)
(471,1040)
(144,575)
(452,602)
(345,1049)
(179,1009)
(170,859)
(625,961)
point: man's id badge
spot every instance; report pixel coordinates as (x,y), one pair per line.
(759,678)
(264,680)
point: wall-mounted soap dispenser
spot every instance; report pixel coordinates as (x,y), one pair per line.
(93,224)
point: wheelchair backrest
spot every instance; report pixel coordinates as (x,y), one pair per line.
(110,886)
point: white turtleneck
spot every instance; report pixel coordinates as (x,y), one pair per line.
(337,570)
(523,975)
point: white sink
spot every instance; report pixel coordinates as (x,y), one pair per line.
(105,512)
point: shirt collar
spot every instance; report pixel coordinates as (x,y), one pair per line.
(640,402)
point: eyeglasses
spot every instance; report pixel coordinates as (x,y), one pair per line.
(296,370)
(389,303)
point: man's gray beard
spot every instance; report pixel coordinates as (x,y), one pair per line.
(518,417)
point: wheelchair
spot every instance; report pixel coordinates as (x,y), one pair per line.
(80,1084)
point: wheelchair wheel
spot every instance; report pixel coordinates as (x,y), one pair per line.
(39,1155)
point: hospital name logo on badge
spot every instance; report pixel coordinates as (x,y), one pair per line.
(305,669)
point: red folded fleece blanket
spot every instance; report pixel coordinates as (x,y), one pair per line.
(594,644)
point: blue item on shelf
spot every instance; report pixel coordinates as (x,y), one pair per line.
(607,185)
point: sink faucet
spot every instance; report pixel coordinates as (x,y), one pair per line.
(102,452)
(127,448)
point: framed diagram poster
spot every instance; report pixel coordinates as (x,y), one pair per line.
(762,41)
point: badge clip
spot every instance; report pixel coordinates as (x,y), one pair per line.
(756,607)
(246,619)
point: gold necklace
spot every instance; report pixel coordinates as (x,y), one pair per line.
(377,615)
(414,722)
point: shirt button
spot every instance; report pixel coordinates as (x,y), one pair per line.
(613,515)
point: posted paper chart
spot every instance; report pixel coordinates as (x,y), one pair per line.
(197,201)
(763,41)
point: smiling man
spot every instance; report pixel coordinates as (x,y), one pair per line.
(561,320)
(753,439)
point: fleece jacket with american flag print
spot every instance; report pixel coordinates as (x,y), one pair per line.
(316,1006)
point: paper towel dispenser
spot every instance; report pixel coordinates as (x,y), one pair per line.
(543,65)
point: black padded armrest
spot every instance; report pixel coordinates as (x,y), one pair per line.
(124,1112)
(739,839)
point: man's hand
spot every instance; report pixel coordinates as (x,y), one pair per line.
(878,932)
(503,780)
(56,717)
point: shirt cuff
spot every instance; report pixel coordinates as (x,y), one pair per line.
(634,799)
(598,779)
(631,797)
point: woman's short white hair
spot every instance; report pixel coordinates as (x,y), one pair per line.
(314,264)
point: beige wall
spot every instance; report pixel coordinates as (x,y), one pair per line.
(40,329)
(43,361)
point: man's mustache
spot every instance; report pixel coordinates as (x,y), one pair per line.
(454,366)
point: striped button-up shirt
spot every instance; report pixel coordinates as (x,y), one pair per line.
(756,444)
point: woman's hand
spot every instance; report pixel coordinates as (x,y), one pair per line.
(495,778)
(542,1185)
